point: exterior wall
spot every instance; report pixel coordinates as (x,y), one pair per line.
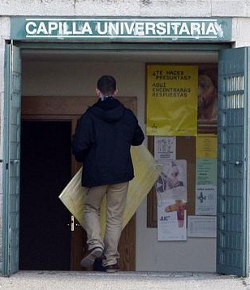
(238,10)
(241,31)
(179,8)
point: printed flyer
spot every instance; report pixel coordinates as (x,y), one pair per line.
(172,220)
(171,190)
(172,100)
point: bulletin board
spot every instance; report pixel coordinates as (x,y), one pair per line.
(185,149)
(206,117)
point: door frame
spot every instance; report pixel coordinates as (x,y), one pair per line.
(156,47)
(71,108)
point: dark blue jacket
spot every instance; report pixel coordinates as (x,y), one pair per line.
(102,142)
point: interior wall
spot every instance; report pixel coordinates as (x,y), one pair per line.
(79,79)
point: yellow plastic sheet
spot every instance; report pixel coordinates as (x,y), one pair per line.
(146,173)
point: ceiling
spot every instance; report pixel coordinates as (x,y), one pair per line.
(49,55)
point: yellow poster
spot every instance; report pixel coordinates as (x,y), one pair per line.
(206,146)
(146,173)
(172,92)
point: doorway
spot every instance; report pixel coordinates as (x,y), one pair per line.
(45,171)
(46,131)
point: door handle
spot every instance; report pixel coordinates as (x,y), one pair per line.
(72,224)
(237,162)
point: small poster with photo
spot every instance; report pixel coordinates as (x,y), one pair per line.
(207,98)
(172,181)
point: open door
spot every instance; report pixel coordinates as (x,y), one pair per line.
(11,162)
(233,163)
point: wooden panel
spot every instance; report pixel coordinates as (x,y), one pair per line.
(45,105)
(186,149)
(127,246)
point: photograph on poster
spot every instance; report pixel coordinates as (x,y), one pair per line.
(207,96)
(172,182)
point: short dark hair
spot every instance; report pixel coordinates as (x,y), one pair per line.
(107,85)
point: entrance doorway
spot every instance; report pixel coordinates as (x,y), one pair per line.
(47,165)
(45,171)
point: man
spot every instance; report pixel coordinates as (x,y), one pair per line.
(102,143)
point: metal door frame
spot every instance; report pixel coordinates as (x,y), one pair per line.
(58,45)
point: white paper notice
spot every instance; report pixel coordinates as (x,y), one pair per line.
(165,148)
(206,200)
(202,226)
(171,189)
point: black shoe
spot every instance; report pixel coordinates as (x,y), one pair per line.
(112,268)
(97,266)
(89,259)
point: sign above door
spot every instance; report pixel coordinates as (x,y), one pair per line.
(122,29)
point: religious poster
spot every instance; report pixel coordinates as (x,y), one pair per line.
(171,190)
(172,104)
(172,218)
(208,95)
(172,181)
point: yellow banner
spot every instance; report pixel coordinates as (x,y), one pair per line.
(146,173)
(172,92)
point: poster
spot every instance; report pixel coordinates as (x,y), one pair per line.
(172,182)
(164,148)
(146,173)
(206,146)
(206,171)
(172,220)
(171,190)
(206,200)
(208,94)
(206,175)
(172,92)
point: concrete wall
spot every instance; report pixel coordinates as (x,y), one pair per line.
(169,8)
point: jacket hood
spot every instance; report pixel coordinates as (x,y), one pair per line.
(108,116)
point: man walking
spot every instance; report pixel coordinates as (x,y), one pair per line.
(102,142)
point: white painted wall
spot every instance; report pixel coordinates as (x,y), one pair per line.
(151,255)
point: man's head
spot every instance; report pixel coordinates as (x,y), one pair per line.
(106,86)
